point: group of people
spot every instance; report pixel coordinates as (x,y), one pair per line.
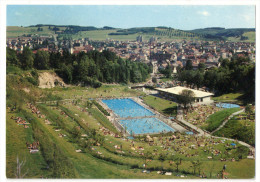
(21,121)
(35,110)
(198,115)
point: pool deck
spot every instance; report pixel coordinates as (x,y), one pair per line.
(114,118)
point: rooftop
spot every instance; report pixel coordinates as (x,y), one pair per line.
(177,90)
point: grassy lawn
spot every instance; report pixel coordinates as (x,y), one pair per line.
(240,129)
(216,119)
(82,93)
(163,106)
(231,97)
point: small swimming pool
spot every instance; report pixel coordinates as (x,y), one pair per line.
(127,108)
(145,125)
(227,105)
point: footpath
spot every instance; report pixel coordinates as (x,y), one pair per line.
(225,121)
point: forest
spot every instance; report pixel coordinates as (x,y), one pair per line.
(235,75)
(85,69)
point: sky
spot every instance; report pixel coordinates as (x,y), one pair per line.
(185,17)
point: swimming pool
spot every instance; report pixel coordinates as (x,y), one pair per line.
(127,108)
(145,125)
(227,105)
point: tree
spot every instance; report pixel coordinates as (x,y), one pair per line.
(195,165)
(147,155)
(65,72)
(201,67)
(177,162)
(42,60)
(186,97)
(162,158)
(11,57)
(198,79)
(27,58)
(188,65)
(248,110)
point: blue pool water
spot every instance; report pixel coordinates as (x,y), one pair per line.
(145,125)
(227,105)
(127,108)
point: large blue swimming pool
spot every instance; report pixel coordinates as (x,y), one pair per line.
(227,105)
(145,125)
(127,108)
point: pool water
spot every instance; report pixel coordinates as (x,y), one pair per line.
(139,123)
(127,108)
(145,125)
(227,105)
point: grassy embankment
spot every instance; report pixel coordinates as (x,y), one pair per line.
(163,106)
(239,128)
(229,98)
(216,119)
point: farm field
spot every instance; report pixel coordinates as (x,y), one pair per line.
(14,31)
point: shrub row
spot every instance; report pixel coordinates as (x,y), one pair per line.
(101,108)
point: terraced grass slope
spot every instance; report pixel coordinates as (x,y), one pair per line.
(73,127)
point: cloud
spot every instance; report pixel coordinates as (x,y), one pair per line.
(204,13)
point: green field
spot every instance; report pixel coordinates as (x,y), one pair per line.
(14,31)
(231,97)
(161,34)
(249,35)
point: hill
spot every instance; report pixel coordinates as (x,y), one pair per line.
(162,33)
(232,34)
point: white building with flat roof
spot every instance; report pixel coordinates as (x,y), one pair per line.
(201,97)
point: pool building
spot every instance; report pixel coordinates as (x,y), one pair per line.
(201,97)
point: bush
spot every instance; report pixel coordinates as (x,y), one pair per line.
(32,81)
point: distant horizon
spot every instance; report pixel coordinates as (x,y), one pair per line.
(183,17)
(125,28)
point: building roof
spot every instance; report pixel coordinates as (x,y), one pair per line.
(177,90)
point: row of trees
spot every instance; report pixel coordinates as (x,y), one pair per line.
(84,68)
(235,75)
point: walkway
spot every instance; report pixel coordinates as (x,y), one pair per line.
(180,118)
(225,121)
